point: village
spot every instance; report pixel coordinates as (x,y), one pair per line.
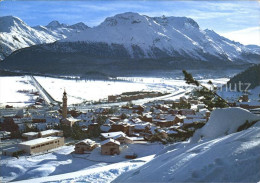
(109,129)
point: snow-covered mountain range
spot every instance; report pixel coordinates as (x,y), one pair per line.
(170,35)
(121,39)
(16,34)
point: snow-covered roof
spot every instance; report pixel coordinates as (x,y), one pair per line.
(87,141)
(39,141)
(171,132)
(112,134)
(118,136)
(110,140)
(30,134)
(141,126)
(181,116)
(49,132)
(188,121)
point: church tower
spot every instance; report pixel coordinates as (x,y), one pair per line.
(64,105)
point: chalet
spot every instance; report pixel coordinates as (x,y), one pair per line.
(141,127)
(119,127)
(110,147)
(147,118)
(85,145)
(179,119)
(41,144)
(123,139)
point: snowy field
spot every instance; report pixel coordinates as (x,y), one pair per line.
(89,90)
(9,91)
(62,161)
(86,90)
(81,90)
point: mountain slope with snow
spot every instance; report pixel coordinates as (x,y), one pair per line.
(169,34)
(130,41)
(16,34)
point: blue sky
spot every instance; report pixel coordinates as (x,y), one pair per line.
(237,20)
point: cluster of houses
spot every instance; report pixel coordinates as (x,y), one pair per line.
(133,96)
(109,146)
(156,120)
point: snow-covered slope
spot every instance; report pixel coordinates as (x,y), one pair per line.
(171,35)
(223,122)
(16,34)
(230,158)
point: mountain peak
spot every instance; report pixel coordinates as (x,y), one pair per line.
(55,24)
(123,18)
(79,26)
(7,22)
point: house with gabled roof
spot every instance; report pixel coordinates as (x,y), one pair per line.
(110,147)
(85,145)
(123,139)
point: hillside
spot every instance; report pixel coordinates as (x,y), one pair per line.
(250,75)
(131,41)
(223,156)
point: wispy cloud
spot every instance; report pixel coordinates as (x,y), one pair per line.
(246,36)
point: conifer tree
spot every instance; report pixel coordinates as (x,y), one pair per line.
(212,99)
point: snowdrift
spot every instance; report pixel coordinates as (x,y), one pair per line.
(223,122)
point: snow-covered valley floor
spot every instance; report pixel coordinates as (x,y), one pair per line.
(9,91)
(88,90)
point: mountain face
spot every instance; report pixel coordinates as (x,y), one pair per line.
(250,75)
(15,34)
(124,39)
(167,34)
